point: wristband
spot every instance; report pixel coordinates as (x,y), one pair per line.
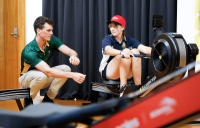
(73,55)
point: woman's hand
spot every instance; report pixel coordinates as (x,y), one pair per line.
(127,53)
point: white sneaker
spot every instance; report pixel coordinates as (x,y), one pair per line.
(121,94)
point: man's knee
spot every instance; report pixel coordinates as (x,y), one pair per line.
(65,68)
(42,77)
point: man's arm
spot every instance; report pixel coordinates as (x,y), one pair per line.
(44,67)
(144,49)
(68,51)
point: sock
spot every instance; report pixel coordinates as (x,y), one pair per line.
(27,101)
(47,99)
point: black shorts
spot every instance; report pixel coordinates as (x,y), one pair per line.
(103,73)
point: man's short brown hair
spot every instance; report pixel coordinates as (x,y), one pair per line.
(40,21)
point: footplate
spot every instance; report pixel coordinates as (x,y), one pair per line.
(111,89)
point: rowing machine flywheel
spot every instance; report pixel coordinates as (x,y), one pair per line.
(169,53)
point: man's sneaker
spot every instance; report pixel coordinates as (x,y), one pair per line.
(47,99)
(27,102)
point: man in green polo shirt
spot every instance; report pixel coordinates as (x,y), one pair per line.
(35,71)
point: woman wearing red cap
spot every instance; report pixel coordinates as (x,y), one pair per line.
(113,66)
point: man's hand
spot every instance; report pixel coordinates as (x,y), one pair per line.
(74,60)
(78,77)
(68,51)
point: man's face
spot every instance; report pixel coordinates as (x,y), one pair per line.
(46,32)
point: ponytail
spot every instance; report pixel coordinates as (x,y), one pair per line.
(123,38)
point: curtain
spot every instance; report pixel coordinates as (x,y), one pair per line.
(82,24)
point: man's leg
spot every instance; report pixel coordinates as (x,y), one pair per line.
(34,79)
(55,84)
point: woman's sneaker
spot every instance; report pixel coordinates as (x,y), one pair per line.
(134,87)
(121,90)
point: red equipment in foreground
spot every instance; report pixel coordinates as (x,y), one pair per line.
(172,106)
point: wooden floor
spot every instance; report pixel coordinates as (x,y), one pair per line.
(11,105)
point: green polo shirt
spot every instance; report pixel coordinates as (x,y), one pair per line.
(32,54)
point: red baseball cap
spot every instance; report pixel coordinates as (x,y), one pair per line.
(118,19)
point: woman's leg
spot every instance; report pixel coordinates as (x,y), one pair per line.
(136,67)
(118,67)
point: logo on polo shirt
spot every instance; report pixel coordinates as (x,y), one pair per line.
(49,53)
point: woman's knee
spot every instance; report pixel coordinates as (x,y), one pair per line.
(135,51)
(118,57)
(126,61)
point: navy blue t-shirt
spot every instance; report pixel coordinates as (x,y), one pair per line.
(110,40)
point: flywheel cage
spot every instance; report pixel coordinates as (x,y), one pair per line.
(160,57)
(169,51)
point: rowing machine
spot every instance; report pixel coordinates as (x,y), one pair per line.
(169,53)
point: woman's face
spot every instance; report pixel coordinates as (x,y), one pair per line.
(116,30)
